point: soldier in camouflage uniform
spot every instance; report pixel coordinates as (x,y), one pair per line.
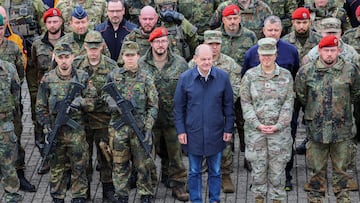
(327,87)
(136,86)
(97,66)
(11,53)
(80,26)
(352,36)
(96,10)
(42,53)
(183,32)
(267,99)
(9,105)
(133,9)
(253,14)
(320,9)
(225,62)
(71,147)
(166,67)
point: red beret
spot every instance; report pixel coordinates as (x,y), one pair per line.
(51,12)
(231,10)
(357,12)
(329,41)
(158,32)
(301,14)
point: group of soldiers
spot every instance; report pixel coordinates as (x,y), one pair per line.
(141,48)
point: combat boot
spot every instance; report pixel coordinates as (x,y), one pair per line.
(226,184)
(259,199)
(109,192)
(25,185)
(146,198)
(44,169)
(122,200)
(247,165)
(301,149)
(179,193)
(56,200)
(288,185)
(78,200)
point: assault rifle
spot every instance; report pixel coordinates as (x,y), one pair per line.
(125,108)
(62,118)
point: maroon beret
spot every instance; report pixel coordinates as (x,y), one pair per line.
(357,12)
(231,10)
(158,32)
(329,41)
(301,14)
(51,12)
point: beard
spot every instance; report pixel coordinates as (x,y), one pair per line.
(54,31)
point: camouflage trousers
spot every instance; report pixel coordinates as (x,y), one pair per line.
(227,159)
(9,179)
(317,155)
(20,160)
(72,148)
(38,129)
(97,135)
(268,154)
(126,148)
(173,170)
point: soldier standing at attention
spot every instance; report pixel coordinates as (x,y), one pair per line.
(11,53)
(267,100)
(166,67)
(71,148)
(326,88)
(41,54)
(9,105)
(97,66)
(229,65)
(96,10)
(138,88)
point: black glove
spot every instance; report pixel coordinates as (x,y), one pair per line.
(172,16)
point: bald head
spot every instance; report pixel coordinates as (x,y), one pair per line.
(3,13)
(148,19)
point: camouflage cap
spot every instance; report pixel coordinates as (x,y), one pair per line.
(212,36)
(62,48)
(130,47)
(330,25)
(93,39)
(267,46)
(1,20)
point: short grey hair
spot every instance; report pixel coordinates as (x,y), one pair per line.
(272,20)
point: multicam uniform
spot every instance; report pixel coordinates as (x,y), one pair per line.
(140,89)
(9,103)
(252,18)
(352,37)
(173,171)
(268,101)
(327,94)
(96,10)
(71,144)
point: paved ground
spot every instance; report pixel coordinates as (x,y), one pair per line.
(240,177)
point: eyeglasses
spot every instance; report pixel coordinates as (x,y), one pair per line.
(157,42)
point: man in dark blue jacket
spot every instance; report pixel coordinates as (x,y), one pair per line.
(115,28)
(204,120)
(288,58)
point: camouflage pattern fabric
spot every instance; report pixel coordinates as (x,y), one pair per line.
(251,18)
(283,9)
(133,8)
(141,91)
(352,37)
(72,147)
(268,154)
(235,46)
(311,41)
(10,101)
(166,141)
(95,9)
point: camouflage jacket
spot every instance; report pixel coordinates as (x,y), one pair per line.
(165,80)
(10,91)
(267,101)
(77,46)
(347,52)
(140,89)
(352,37)
(53,89)
(327,94)
(235,46)
(251,18)
(229,65)
(99,118)
(312,40)
(11,53)
(95,9)
(41,54)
